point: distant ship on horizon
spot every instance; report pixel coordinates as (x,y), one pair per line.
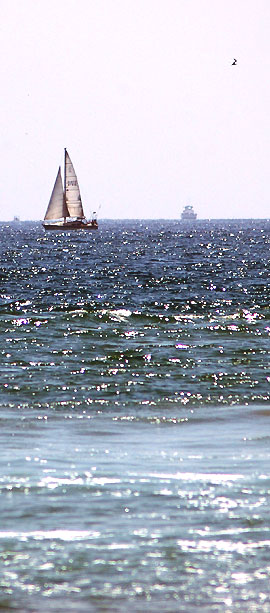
(188,214)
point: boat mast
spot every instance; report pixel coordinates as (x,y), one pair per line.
(64,194)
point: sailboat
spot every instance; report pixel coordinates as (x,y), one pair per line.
(65,210)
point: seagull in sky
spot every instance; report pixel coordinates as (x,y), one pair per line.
(234,62)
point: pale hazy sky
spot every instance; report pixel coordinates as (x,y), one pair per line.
(143,95)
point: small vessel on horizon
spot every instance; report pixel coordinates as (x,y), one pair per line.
(188,214)
(65,210)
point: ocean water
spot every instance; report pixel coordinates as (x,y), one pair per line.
(135,418)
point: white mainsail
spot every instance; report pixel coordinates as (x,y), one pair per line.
(72,190)
(57,207)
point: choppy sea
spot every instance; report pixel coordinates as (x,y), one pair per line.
(135,418)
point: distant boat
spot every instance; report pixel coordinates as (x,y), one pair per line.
(188,213)
(65,210)
(16,218)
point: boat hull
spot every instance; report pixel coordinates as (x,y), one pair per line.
(188,217)
(71,226)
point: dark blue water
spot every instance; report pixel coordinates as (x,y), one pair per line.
(134,467)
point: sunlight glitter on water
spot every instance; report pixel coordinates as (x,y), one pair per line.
(135,463)
(62,535)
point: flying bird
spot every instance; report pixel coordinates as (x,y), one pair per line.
(234,62)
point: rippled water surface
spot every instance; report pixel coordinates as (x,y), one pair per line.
(135,408)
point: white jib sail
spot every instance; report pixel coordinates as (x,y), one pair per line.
(72,190)
(57,207)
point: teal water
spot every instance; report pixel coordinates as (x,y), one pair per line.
(134,467)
